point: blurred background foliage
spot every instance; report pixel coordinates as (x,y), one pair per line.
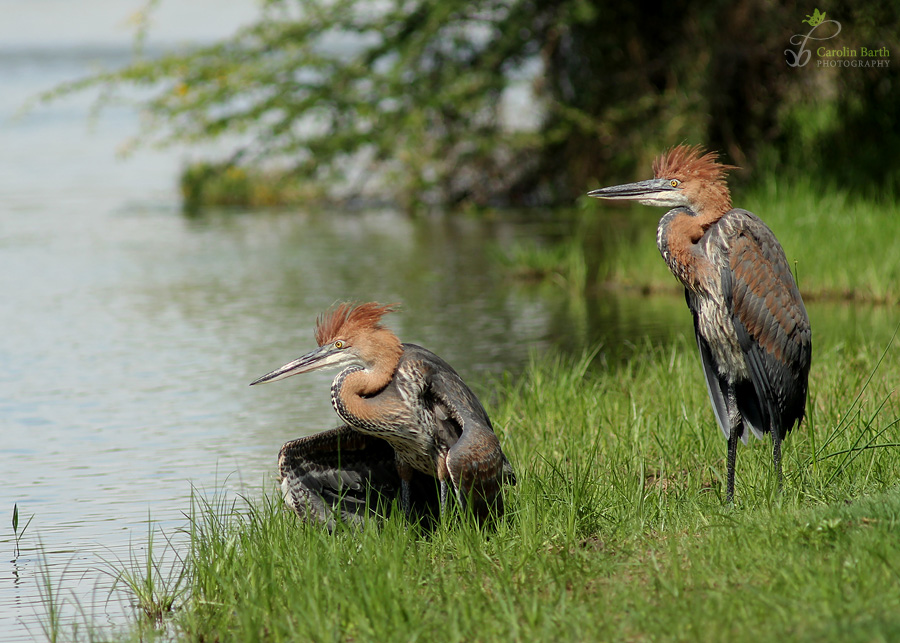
(515,102)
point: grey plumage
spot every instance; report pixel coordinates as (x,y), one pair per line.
(750,323)
(407,405)
(342,475)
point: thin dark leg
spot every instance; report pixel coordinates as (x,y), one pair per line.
(737,428)
(405,500)
(443,479)
(445,488)
(406,473)
(732,457)
(776,458)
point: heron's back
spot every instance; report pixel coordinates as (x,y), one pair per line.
(751,314)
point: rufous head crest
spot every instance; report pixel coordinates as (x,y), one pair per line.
(701,175)
(347,320)
(686,162)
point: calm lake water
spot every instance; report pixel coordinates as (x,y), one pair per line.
(131,332)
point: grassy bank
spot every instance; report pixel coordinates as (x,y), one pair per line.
(845,248)
(616,530)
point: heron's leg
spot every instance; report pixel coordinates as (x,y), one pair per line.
(443,476)
(406,474)
(732,458)
(405,501)
(735,430)
(776,457)
(445,489)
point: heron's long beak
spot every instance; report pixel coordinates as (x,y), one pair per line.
(319,358)
(635,191)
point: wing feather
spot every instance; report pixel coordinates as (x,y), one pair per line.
(475,462)
(770,321)
(345,475)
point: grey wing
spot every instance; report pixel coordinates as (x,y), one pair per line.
(716,385)
(337,475)
(476,464)
(345,475)
(771,323)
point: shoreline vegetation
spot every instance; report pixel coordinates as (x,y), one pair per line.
(844,247)
(467,104)
(616,531)
(841,247)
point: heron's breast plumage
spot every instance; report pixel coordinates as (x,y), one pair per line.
(697,257)
(398,417)
(715,325)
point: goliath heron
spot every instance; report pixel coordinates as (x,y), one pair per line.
(749,320)
(409,418)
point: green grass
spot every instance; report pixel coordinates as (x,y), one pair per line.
(616,530)
(562,264)
(155,586)
(845,247)
(842,247)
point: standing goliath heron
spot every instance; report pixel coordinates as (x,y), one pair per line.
(751,326)
(408,415)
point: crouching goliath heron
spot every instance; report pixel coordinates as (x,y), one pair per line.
(749,319)
(410,419)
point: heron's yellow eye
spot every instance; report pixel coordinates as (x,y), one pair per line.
(339,344)
(674,183)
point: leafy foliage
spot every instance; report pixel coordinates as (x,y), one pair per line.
(512,101)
